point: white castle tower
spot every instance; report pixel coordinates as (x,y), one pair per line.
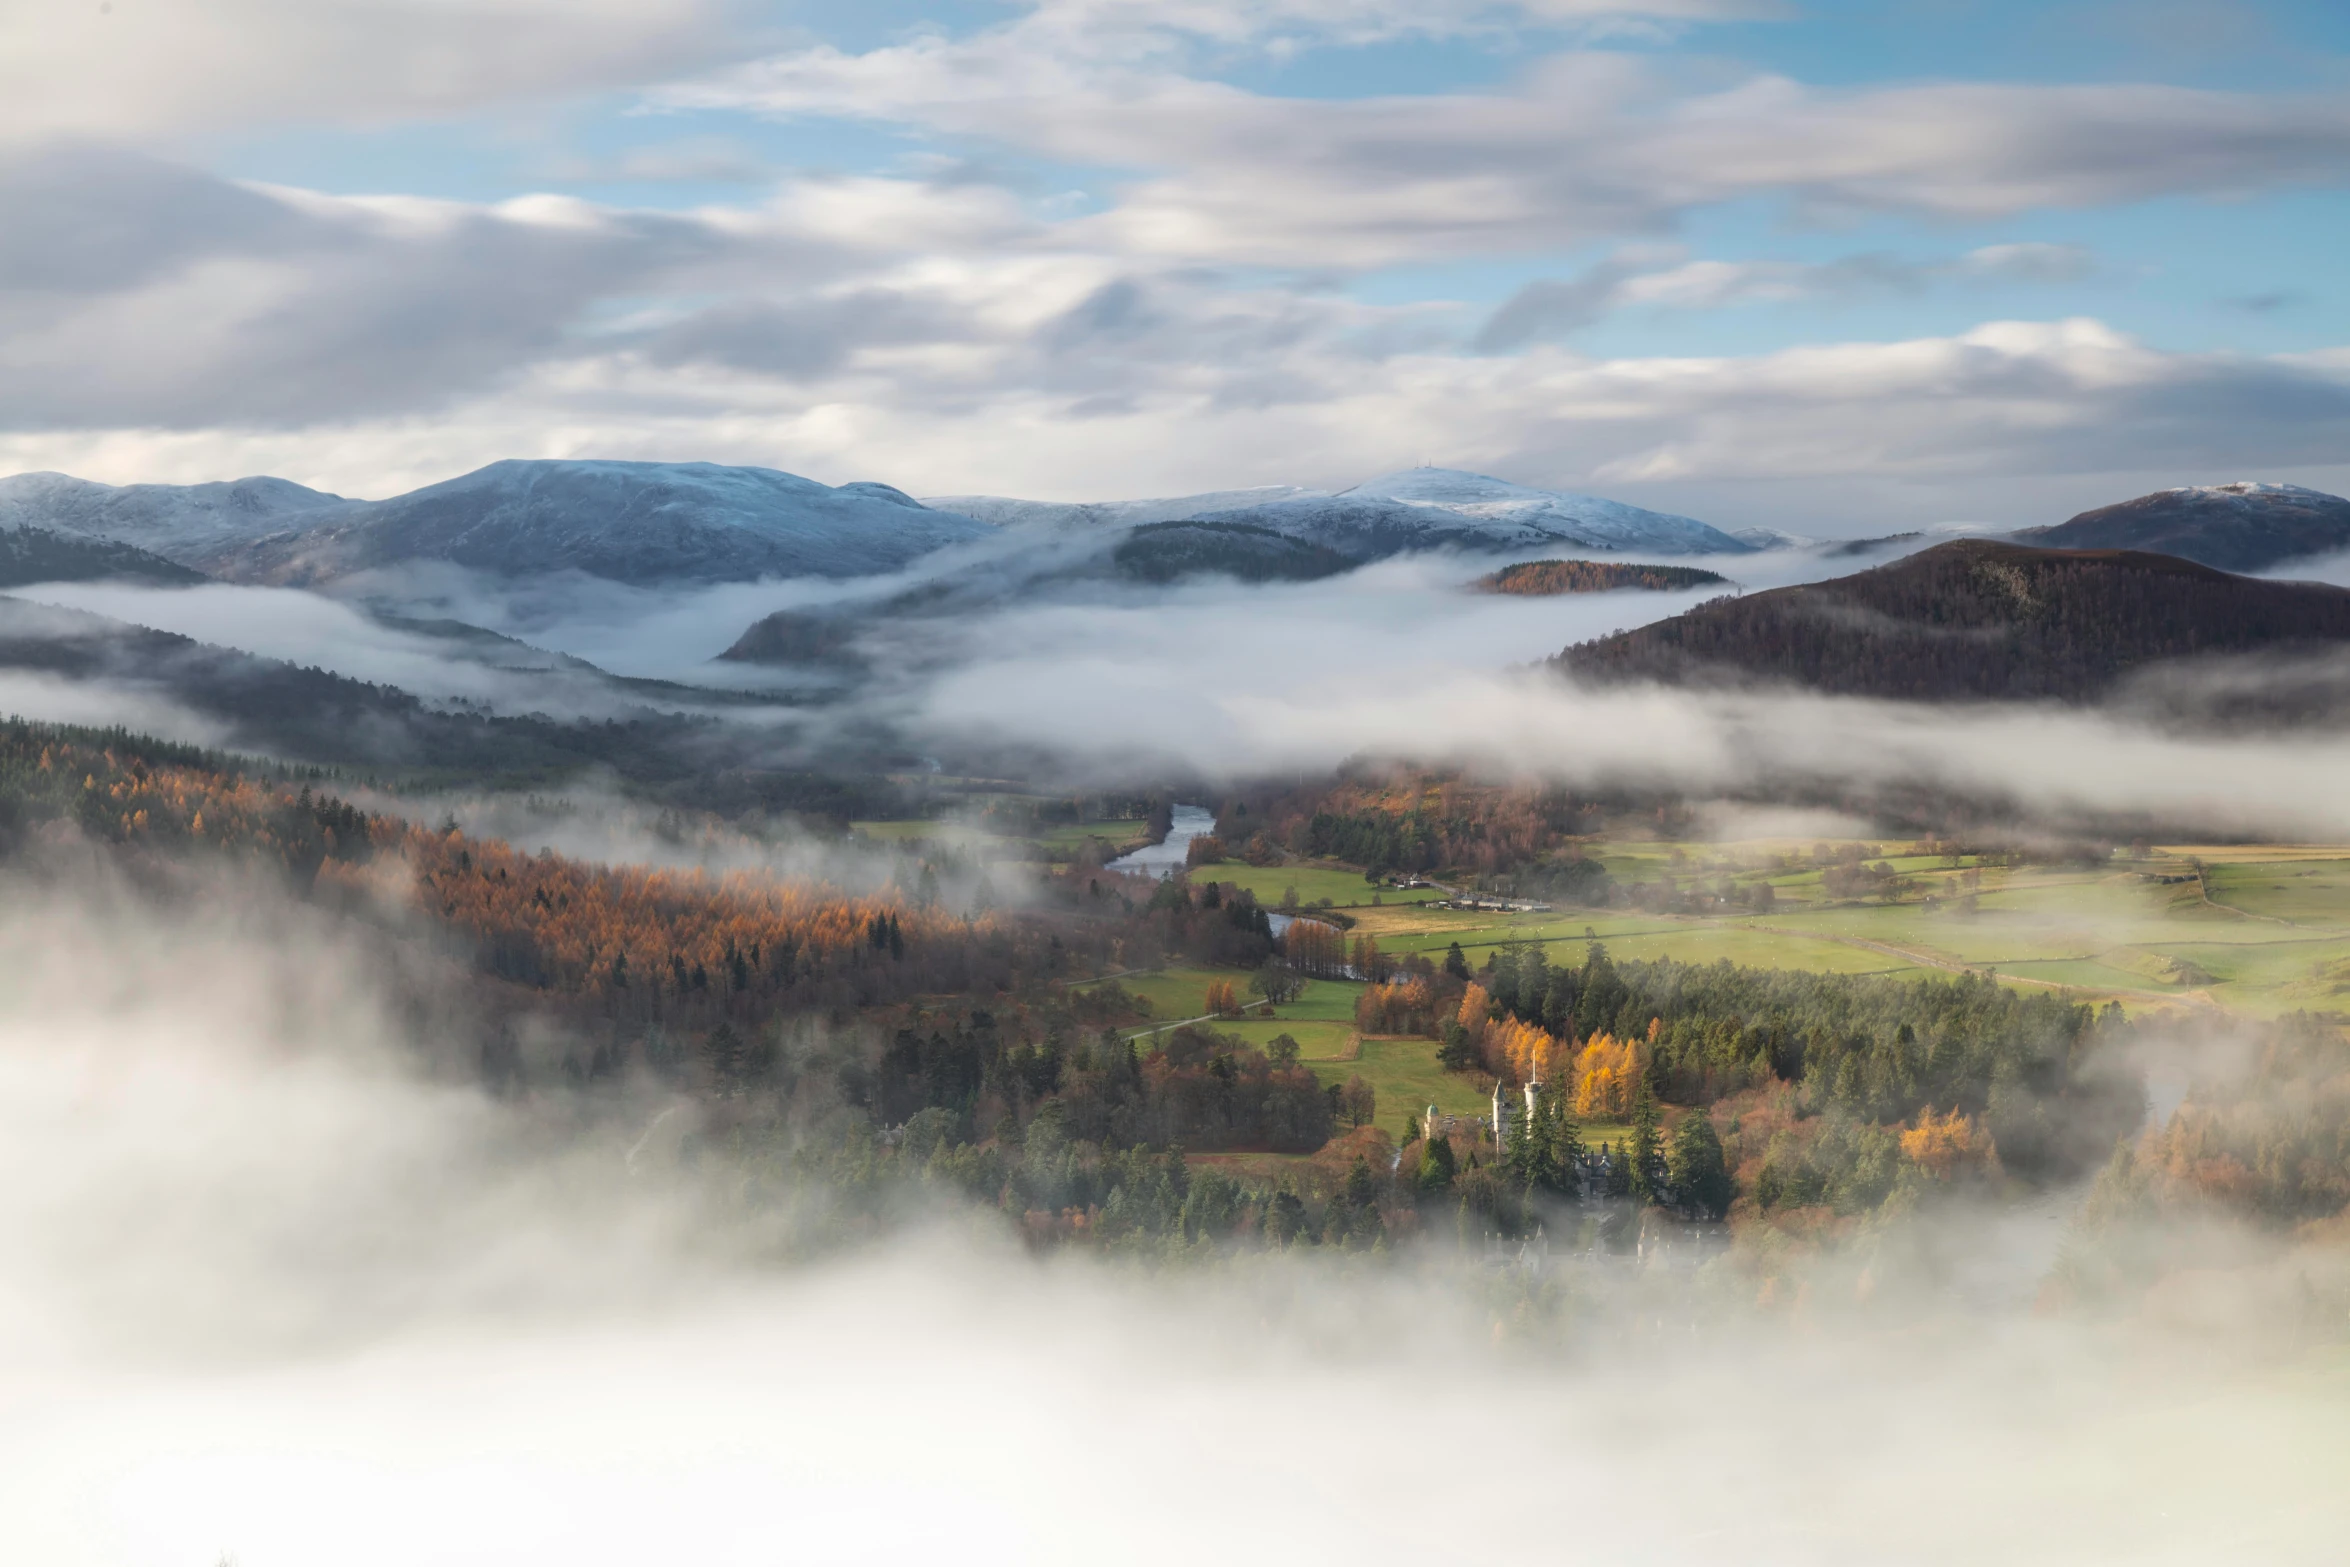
(1500,1137)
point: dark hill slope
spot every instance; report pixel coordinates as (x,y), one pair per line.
(1549,578)
(2236,527)
(311,716)
(30,555)
(1973,620)
(1168,551)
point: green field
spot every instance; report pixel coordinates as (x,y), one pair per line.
(1405,1076)
(1178,992)
(2274,936)
(1063,841)
(1182,992)
(1316,1040)
(1345,889)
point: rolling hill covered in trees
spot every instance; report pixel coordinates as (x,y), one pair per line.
(1546,578)
(29,555)
(1975,619)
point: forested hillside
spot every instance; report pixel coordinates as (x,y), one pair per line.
(310,716)
(1545,578)
(1974,620)
(1166,551)
(29,555)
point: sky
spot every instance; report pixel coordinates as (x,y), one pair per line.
(1838,266)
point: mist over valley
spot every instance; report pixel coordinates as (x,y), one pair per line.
(1247,783)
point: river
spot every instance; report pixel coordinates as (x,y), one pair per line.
(1162,859)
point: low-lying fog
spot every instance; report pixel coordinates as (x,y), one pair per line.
(1217,678)
(675,633)
(272,1294)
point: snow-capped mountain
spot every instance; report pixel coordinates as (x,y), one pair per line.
(2247,526)
(1431,508)
(171,520)
(1416,509)
(627,521)
(1006,512)
(633,522)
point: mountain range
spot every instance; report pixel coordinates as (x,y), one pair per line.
(1414,509)
(657,524)
(640,523)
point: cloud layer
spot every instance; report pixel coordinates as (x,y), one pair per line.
(275,1294)
(1104,267)
(137,71)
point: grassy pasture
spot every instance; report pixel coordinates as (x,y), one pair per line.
(1345,889)
(2312,893)
(1317,1042)
(2276,934)
(1175,993)
(1323,1007)
(1064,841)
(1404,1075)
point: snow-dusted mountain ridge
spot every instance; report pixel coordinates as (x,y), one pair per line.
(635,522)
(1007,512)
(171,520)
(1417,508)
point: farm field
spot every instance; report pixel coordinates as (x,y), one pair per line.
(1316,1041)
(1065,840)
(1175,993)
(1405,1076)
(1345,889)
(2274,936)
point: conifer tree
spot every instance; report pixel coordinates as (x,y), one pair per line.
(1436,1164)
(1517,1148)
(1701,1176)
(1556,1141)
(1644,1142)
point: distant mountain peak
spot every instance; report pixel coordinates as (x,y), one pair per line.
(2248,525)
(637,522)
(1444,487)
(2249,487)
(1393,513)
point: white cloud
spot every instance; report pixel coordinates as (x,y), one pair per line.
(1585,146)
(1294,397)
(275,1293)
(160,69)
(156,323)
(1557,307)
